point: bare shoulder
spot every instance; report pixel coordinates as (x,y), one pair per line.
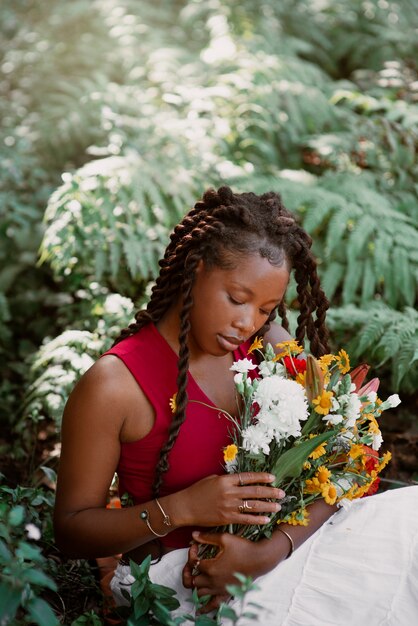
(105,394)
(276,334)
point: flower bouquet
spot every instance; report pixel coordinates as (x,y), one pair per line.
(310,423)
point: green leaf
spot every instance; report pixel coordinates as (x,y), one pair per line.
(16,515)
(290,463)
(9,601)
(141,605)
(41,613)
(37,577)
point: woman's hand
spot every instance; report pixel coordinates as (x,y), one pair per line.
(244,498)
(211,576)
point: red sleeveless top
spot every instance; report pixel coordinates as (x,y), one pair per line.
(198,450)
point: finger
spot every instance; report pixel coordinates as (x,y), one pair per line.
(260,492)
(258,506)
(193,553)
(213,539)
(249,478)
(187,576)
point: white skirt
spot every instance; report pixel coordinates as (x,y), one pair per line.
(360,568)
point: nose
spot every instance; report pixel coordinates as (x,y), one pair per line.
(246,322)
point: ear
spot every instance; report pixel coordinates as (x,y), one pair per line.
(200,267)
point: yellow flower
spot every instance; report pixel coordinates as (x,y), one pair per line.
(287,348)
(230,452)
(297,518)
(343,362)
(319,451)
(356,450)
(323,402)
(257,344)
(373,426)
(323,474)
(301,378)
(173,403)
(312,485)
(326,360)
(329,493)
(385,460)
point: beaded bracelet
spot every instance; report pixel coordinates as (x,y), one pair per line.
(292,545)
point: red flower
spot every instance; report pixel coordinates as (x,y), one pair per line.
(294,366)
(371,463)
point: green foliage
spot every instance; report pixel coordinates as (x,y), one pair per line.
(111,221)
(59,363)
(152,604)
(386,339)
(23,577)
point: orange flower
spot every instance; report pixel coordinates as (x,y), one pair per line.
(257,344)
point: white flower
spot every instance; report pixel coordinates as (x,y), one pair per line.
(372,396)
(238,378)
(283,405)
(393,400)
(255,438)
(243,366)
(266,368)
(230,466)
(33,532)
(342,485)
(377,440)
(333,418)
(352,410)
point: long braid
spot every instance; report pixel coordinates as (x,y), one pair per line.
(183,367)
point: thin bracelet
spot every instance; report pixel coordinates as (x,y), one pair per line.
(167,520)
(144,515)
(292,545)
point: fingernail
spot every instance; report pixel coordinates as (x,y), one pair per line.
(282,494)
(278,507)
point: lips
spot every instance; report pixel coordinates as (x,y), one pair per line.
(229,342)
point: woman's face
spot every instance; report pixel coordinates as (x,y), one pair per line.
(230,305)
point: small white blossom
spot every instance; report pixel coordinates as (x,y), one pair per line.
(267,368)
(238,378)
(333,418)
(372,396)
(256,439)
(243,366)
(377,440)
(33,532)
(230,466)
(352,411)
(393,400)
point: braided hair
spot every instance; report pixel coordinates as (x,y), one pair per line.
(239,223)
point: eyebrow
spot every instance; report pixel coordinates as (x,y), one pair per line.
(250,292)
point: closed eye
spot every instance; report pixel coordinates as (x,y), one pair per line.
(231,299)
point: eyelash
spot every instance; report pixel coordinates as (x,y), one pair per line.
(266,313)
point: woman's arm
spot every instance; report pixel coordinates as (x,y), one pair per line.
(97,417)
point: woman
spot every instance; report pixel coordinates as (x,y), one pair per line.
(140,411)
